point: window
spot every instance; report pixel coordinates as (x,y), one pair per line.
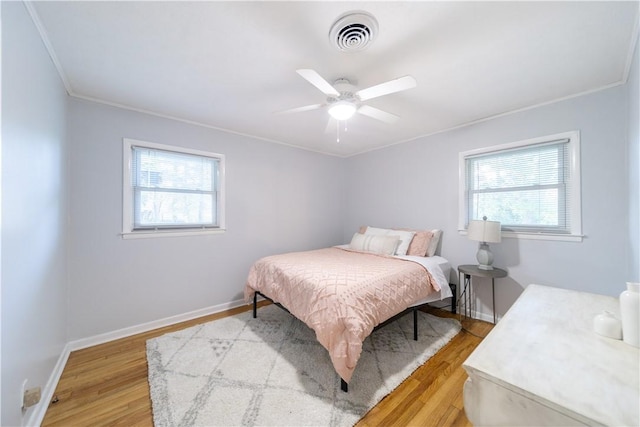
(171,190)
(532,187)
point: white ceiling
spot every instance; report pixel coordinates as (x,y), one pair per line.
(231,65)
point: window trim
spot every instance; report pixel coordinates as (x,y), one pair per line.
(575,204)
(128,231)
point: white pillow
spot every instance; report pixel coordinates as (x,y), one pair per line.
(433,244)
(384,245)
(404,236)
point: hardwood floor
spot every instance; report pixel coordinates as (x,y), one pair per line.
(107,385)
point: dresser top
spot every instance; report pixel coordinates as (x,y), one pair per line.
(545,349)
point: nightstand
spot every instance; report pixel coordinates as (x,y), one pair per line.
(465,292)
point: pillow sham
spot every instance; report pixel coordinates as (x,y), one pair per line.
(383,245)
(433,244)
(404,236)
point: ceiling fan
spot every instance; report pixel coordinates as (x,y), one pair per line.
(343,102)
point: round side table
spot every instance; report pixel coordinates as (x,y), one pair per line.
(465,293)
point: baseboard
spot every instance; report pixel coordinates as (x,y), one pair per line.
(146,327)
(38,413)
(487,317)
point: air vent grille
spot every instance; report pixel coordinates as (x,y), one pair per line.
(353,31)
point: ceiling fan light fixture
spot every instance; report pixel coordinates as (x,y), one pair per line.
(342,110)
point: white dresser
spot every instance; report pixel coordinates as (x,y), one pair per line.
(543,365)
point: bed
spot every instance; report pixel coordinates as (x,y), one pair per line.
(344,292)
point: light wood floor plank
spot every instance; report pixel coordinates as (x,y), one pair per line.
(107,384)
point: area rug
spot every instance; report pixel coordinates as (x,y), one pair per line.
(272,371)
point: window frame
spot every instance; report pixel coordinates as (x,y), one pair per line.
(574,202)
(128,231)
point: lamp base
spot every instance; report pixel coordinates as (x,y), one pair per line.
(484,257)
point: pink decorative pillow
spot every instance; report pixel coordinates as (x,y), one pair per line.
(420,242)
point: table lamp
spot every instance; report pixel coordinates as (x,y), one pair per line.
(484,232)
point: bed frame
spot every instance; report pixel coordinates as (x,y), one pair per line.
(343,384)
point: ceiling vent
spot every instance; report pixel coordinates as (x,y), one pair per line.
(353,31)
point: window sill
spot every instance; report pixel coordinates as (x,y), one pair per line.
(537,236)
(169,233)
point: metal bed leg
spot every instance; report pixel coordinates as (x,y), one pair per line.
(344,386)
(255,305)
(415,324)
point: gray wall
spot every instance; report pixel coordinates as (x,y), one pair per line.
(278,199)
(416,185)
(67,274)
(34,212)
(633,93)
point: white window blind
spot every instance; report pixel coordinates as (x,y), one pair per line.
(173,189)
(530,186)
(170,188)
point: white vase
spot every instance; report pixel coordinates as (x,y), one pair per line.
(630,314)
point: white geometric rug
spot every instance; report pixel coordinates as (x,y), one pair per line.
(272,371)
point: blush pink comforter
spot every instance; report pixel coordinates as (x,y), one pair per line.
(341,294)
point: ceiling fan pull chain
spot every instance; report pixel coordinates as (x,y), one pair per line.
(338,132)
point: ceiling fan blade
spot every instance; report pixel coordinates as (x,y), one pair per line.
(392,86)
(377,114)
(300,109)
(316,79)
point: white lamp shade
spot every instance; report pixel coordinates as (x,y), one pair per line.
(484,231)
(342,110)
